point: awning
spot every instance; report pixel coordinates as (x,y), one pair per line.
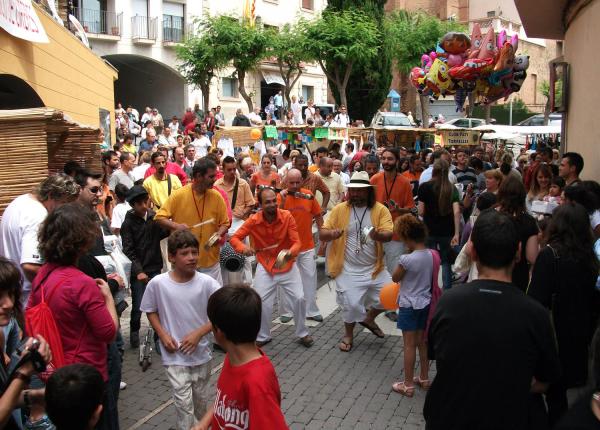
(272,78)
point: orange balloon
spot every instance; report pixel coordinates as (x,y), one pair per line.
(388,296)
(255,134)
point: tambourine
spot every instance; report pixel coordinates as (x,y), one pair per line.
(212,241)
(281,259)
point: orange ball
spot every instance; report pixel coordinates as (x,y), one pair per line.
(255,133)
(388,296)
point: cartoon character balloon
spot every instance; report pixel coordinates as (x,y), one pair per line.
(455,46)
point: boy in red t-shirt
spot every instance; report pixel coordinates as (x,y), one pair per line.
(248,395)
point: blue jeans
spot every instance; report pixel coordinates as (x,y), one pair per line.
(442,245)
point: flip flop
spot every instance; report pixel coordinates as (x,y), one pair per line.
(423,383)
(401,388)
(345,346)
(375,329)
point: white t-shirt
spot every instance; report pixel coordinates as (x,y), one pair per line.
(139,171)
(426,176)
(202,145)
(181,309)
(341,120)
(18,234)
(118,214)
(359,263)
(595,219)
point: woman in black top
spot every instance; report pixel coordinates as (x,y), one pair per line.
(439,206)
(564,279)
(511,201)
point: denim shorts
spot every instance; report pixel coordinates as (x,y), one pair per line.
(410,319)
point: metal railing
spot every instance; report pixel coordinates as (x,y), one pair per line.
(173,28)
(143,27)
(99,21)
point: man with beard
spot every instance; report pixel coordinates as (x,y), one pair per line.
(202,210)
(276,245)
(357,230)
(305,209)
(395,192)
(160,184)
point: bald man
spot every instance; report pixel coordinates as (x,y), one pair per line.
(333,181)
(305,209)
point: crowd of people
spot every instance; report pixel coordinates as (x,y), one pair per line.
(203,240)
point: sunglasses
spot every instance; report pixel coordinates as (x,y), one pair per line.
(94,190)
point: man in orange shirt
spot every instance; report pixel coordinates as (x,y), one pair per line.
(395,192)
(273,230)
(305,209)
(413,174)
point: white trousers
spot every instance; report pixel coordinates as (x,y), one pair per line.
(392,251)
(307,265)
(355,296)
(290,283)
(190,394)
(244,276)
(213,271)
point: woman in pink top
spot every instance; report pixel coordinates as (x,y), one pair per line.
(83,308)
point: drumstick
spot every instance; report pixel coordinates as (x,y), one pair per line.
(266,248)
(209,221)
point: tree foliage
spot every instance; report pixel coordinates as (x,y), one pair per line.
(341,40)
(370,81)
(244,45)
(199,60)
(288,47)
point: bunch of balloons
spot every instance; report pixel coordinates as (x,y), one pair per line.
(486,66)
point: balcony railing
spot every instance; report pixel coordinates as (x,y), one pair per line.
(143,27)
(99,21)
(173,28)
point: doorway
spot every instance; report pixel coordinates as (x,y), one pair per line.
(267,91)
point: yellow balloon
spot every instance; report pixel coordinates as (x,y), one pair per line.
(255,133)
(388,296)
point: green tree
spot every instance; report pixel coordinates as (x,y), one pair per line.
(241,43)
(370,81)
(199,60)
(413,34)
(341,40)
(288,47)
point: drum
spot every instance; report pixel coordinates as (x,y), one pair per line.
(231,260)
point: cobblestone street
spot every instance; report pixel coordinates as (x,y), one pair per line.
(321,387)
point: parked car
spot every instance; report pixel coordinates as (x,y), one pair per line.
(537,120)
(390,120)
(462,123)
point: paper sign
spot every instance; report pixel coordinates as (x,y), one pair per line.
(271,132)
(18,18)
(321,133)
(338,133)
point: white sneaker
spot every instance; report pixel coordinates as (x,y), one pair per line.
(122,385)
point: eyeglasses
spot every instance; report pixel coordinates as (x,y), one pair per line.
(94,190)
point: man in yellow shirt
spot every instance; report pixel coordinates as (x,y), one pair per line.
(202,210)
(128,145)
(160,185)
(357,230)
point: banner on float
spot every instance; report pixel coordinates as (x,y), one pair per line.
(459,137)
(19,19)
(338,133)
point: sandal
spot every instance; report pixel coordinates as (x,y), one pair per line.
(345,346)
(401,388)
(423,383)
(375,329)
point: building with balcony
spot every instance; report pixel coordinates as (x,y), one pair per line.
(574,22)
(138,37)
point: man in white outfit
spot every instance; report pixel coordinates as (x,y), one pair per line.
(276,245)
(305,209)
(357,230)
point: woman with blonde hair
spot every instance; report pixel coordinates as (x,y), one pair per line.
(493,179)
(439,206)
